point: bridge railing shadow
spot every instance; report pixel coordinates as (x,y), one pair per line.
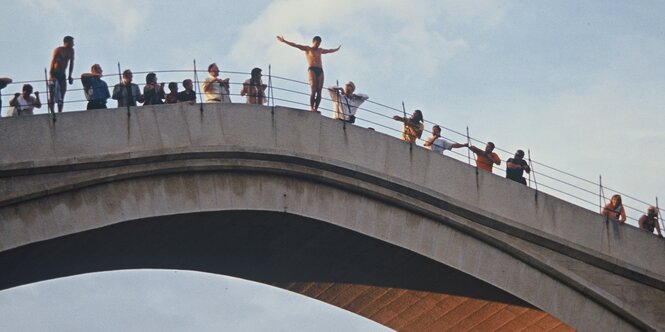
(589,194)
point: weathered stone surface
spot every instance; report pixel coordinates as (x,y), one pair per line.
(352,217)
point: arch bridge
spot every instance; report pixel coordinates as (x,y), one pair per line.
(340,213)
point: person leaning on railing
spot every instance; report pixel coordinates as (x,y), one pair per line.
(438,144)
(254,89)
(188,95)
(346,101)
(486,158)
(614,210)
(413,126)
(649,221)
(24,103)
(127,93)
(95,89)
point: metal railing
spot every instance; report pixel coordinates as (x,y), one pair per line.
(288,92)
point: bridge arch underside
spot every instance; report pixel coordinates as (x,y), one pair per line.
(365,247)
(383,282)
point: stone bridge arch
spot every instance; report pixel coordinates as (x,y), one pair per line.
(262,194)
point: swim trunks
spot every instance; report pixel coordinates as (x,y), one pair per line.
(317,70)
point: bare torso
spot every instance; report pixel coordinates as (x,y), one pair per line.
(314,57)
(61,57)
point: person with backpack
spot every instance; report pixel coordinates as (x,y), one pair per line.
(95,89)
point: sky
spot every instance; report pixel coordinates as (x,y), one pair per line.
(579,85)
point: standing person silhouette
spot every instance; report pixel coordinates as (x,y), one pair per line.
(63,57)
(315,69)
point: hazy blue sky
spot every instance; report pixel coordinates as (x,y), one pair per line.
(580,84)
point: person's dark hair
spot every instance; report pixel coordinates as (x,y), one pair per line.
(417,116)
(316,38)
(150,77)
(68,39)
(126,72)
(618,197)
(27,88)
(210,66)
(436,127)
(491,144)
(520,153)
(173,86)
(186,81)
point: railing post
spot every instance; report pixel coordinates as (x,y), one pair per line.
(468,143)
(196,82)
(532,172)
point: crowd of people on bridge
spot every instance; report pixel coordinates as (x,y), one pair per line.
(345,100)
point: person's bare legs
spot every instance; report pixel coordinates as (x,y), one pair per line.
(63,89)
(312,89)
(319,87)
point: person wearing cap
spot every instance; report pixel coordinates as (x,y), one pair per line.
(346,101)
(254,89)
(649,221)
(438,144)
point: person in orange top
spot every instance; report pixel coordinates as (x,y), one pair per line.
(485,158)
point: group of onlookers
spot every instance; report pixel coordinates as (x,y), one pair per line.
(217,90)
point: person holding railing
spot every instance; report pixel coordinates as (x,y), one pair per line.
(649,221)
(254,89)
(216,90)
(315,69)
(614,210)
(95,89)
(346,101)
(24,103)
(126,92)
(188,95)
(515,168)
(486,158)
(438,144)
(413,126)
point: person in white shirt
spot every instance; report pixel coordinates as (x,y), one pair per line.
(438,144)
(216,90)
(24,103)
(346,102)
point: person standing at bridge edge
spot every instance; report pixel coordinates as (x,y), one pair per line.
(413,126)
(62,56)
(515,168)
(315,69)
(346,101)
(486,158)
(438,144)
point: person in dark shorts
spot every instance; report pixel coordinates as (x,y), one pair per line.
(63,57)
(315,67)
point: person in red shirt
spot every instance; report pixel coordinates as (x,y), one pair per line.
(486,158)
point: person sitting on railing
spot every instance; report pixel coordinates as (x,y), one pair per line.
(438,144)
(614,210)
(486,158)
(216,90)
(254,88)
(413,126)
(649,221)
(346,101)
(95,89)
(153,92)
(24,103)
(187,96)
(515,168)
(127,93)
(172,96)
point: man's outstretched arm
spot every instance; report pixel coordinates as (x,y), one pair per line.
(292,44)
(330,50)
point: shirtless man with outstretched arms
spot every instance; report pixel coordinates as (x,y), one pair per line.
(315,69)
